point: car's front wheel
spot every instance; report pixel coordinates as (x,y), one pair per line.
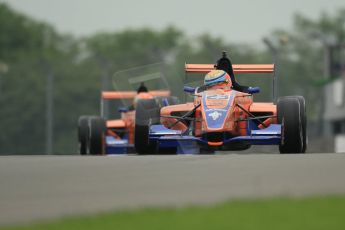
(147,113)
(289,116)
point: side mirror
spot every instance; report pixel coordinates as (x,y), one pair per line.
(188,89)
(122,110)
(253,90)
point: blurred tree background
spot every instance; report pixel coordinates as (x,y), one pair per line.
(39,66)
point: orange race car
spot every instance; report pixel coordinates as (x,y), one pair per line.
(99,135)
(221,117)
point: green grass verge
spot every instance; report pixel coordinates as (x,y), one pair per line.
(324,213)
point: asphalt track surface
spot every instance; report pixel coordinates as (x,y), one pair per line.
(37,188)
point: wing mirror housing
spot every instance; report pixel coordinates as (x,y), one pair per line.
(188,89)
(122,110)
(253,90)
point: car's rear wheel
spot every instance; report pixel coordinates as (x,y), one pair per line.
(83,134)
(147,113)
(97,135)
(289,116)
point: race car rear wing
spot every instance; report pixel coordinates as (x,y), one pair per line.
(132,94)
(113,95)
(238,68)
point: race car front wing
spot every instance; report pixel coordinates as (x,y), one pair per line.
(169,138)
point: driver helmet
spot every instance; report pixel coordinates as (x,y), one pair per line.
(217,78)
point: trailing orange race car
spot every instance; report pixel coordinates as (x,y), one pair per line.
(223,116)
(98,135)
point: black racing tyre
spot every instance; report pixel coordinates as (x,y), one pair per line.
(143,145)
(289,116)
(147,113)
(303,112)
(83,134)
(97,135)
(304,120)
